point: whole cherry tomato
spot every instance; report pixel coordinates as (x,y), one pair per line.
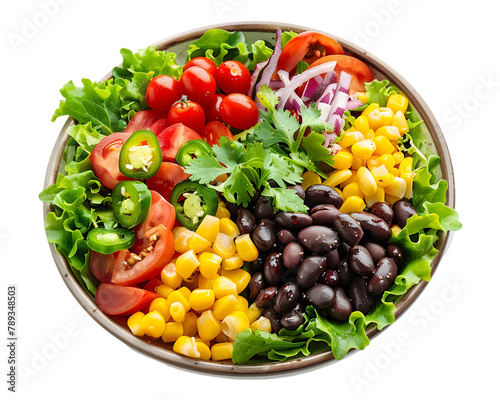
(162,92)
(212,108)
(239,111)
(189,113)
(203,62)
(198,85)
(233,77)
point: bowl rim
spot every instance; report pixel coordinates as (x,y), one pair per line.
(257,370)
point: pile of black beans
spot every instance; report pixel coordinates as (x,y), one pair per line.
(335,261)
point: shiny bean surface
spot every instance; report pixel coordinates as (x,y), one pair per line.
(300,191)
(341,307)
(322,194)
(361,299)
(266,297)
(348,228)
(346,274)
(320,296)
(264,235)
(396,253)
(384,276)
(273,267)
(264,208)
(293,220)
(333,259)
(310,270)
(292,320)
(402,211)
(245,221)
(375,228)
(293,254)
(324,214)
(287,297)
(361,261)
(376,250)
(318,239)
(256,284)
(274,317)
(285,236)
(383,210)
(330,278)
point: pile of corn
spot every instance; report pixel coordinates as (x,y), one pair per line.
(200,309)
(368,166)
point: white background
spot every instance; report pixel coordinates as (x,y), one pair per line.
(448,51)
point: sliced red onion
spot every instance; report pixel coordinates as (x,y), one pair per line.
(330,77)
(341,96)
(352,104)
(255,77)
(327,96)
(268,72)
(324,108)
(311,86)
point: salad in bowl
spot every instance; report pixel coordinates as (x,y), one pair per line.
(247,199)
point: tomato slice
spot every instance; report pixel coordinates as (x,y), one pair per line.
(356,68)
(169,175)
(159,126)
(104,159)
(213,131)
(160,212)
(102,265)
(173,137)
(144,119)
(122,300)
(151,265)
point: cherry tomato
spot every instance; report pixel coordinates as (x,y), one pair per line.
(212,108)
(169,175)
(356,68)
(151,265)
(189,113)
(104,159)
(102,265)
(144,120)
(162,92)
(160,212)
(122,300)
(308,47)
(233,77)
(152,285)
(203,62)
(213,131)
(239,111)
(173,137)
(198,85)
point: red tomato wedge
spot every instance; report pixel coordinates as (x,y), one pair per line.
(169,175)
(161,212)
(356,68)
(122,300)
(173,137)
(213,131)
(144,120)
(102,265)
(152,285)
(159,126)
(151,265)
(104,159)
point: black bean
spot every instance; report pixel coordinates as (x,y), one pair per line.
(266,297)
(396,253)
(256,284)
(402,211)
(300,191)
(322,194)
(384,276)
(330,278)
(318,239)
(376,250)
(292,320)
(361,261)
(320,296)
(346,274)
(310,271)
(341,307)
(293,254)
(333,259)
(287,297)
(233,209)
(323,214)
(264,235)
(264,208)
(292,220)
(285,236)
(245,221)
(375,228)
(361,299)
(258,263)
(273,267)
(348,228)
(273,317)
(383,210)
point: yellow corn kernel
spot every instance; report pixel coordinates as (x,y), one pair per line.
(366,182)
(382,176)
(206,283)
(352,179)
(198,339)
(352,204)
(225,306)
(372,162)
(389,131)
(208,325)
(181,243)
(233,262)
(198,243)
(363,149)
(242,304)
(395,229)
(349,138)
(222,286)
(396,188)
(187,263)
(310,178)
(388,160)
(180,295)
(357,163)
(203,349)
(405,168)
(387,115)
(394,171)
(253,312)
(361,124)
(362,97)
(239,276)
(201,299)
(377,197)
(222,212)
(222,351)
(160,305)
(170,277)
(185,292)
(209,228)
(398,157)
(380,117)
(400,122)
(261,324)
(352,190)
(371,107)
(177,230)
(224,245)
(177,311)
(164,291)
(189,325)
(339,191)
(172,332)
(370,134)
(235,323)
(343,159)
(229,227)
(133,323)
(186,346)
(152,324)
(397,102)
(338,177)
(383,146)
(246,248)
(209,264)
